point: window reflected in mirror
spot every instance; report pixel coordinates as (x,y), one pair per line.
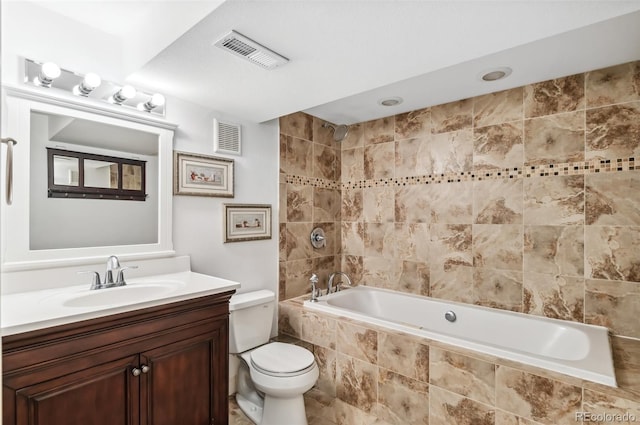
(66,170)
(100,174)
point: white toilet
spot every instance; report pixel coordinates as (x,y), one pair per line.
(272,376)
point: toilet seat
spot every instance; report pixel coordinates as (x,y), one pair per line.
(282,360)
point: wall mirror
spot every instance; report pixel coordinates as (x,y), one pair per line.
(87,154)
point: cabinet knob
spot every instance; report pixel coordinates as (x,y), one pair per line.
(145,368)
(135,371)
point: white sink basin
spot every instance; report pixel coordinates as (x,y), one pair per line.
(122,294)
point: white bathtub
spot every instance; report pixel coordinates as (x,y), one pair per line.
(574,349)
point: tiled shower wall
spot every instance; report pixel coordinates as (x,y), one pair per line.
(526,200)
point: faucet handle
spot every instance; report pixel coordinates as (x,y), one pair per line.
(120,278)
(95,280)
(313,278)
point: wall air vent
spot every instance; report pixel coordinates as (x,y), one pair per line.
(226,138)
(248,49)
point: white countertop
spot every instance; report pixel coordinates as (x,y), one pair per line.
(28,311)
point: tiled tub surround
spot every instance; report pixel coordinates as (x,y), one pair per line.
(573,349)
(526,200)
(374,376)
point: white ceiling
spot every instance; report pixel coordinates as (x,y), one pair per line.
(345,55)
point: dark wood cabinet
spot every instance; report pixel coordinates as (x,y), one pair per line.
(165,365)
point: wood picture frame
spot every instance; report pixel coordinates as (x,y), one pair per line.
(247,222)
(202,175)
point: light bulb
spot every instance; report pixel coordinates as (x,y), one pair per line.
(90,82)
(125,93)
(49,71)
(155,101)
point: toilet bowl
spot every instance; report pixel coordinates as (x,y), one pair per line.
(273,376)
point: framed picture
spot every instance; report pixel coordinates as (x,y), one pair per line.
(202,175)
(243,222)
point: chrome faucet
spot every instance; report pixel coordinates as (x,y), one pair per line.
(337,287)
(315,291)
(113,266)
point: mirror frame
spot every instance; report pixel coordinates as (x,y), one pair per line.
(19,102)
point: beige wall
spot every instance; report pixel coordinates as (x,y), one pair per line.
(526,200)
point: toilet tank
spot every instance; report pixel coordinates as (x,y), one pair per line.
(250,319)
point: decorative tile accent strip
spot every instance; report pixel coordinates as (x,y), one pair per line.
(560,169)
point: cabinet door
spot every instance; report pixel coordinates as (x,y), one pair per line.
(107,394)
(186,380)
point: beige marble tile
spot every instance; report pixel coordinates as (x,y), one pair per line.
(448,408)
(299,157)
(352,204)
(413,277)
(536,398)
(379,240)
(357,341)
(326,162)
(607,409)
(323,267)
(613,198)
(626,357)
(282,242)
(282,202)
(412,241)
(379,161)
(441,279)
(357,383)
(326,360)
(557,297)
(497,288)
(319,329)
(497,147)
(467,376)
(616,84)
(498,108)
(379,272)
(297,277)
(298,125)
(413,157)
(352,238)
(554,96)
(554,250)
(504,418)
(282,280)
(352,162)
(497,246)
(332,233)
(322,135)
(554,139)
(612,253)
(497,201)
(381,130)
(452,116)
(554,201)
(354,137)
(613,304)
(413,124)
(378,204)
(402,400)
(449,203)
(289,320)
(450,152)
(326,204)
(353,265)
(346,414)
(299,203)
(613,131)
(404,355)
(451,261)
(284,141)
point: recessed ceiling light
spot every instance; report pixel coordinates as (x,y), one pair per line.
(390,101)
(495,74)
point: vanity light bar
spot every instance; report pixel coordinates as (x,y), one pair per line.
(50,76)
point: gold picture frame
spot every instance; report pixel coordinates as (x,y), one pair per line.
(202,175)
(246,222)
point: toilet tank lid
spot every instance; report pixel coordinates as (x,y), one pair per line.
(249,299)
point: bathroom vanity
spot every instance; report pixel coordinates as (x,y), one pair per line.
(156,361)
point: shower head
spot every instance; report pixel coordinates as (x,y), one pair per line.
(339,131)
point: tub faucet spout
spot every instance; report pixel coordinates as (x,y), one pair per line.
(314,288)
(345,277)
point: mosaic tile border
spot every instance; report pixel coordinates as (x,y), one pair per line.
(546,170)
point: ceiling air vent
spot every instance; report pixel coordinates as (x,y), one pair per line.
(248,49)
(226,137)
